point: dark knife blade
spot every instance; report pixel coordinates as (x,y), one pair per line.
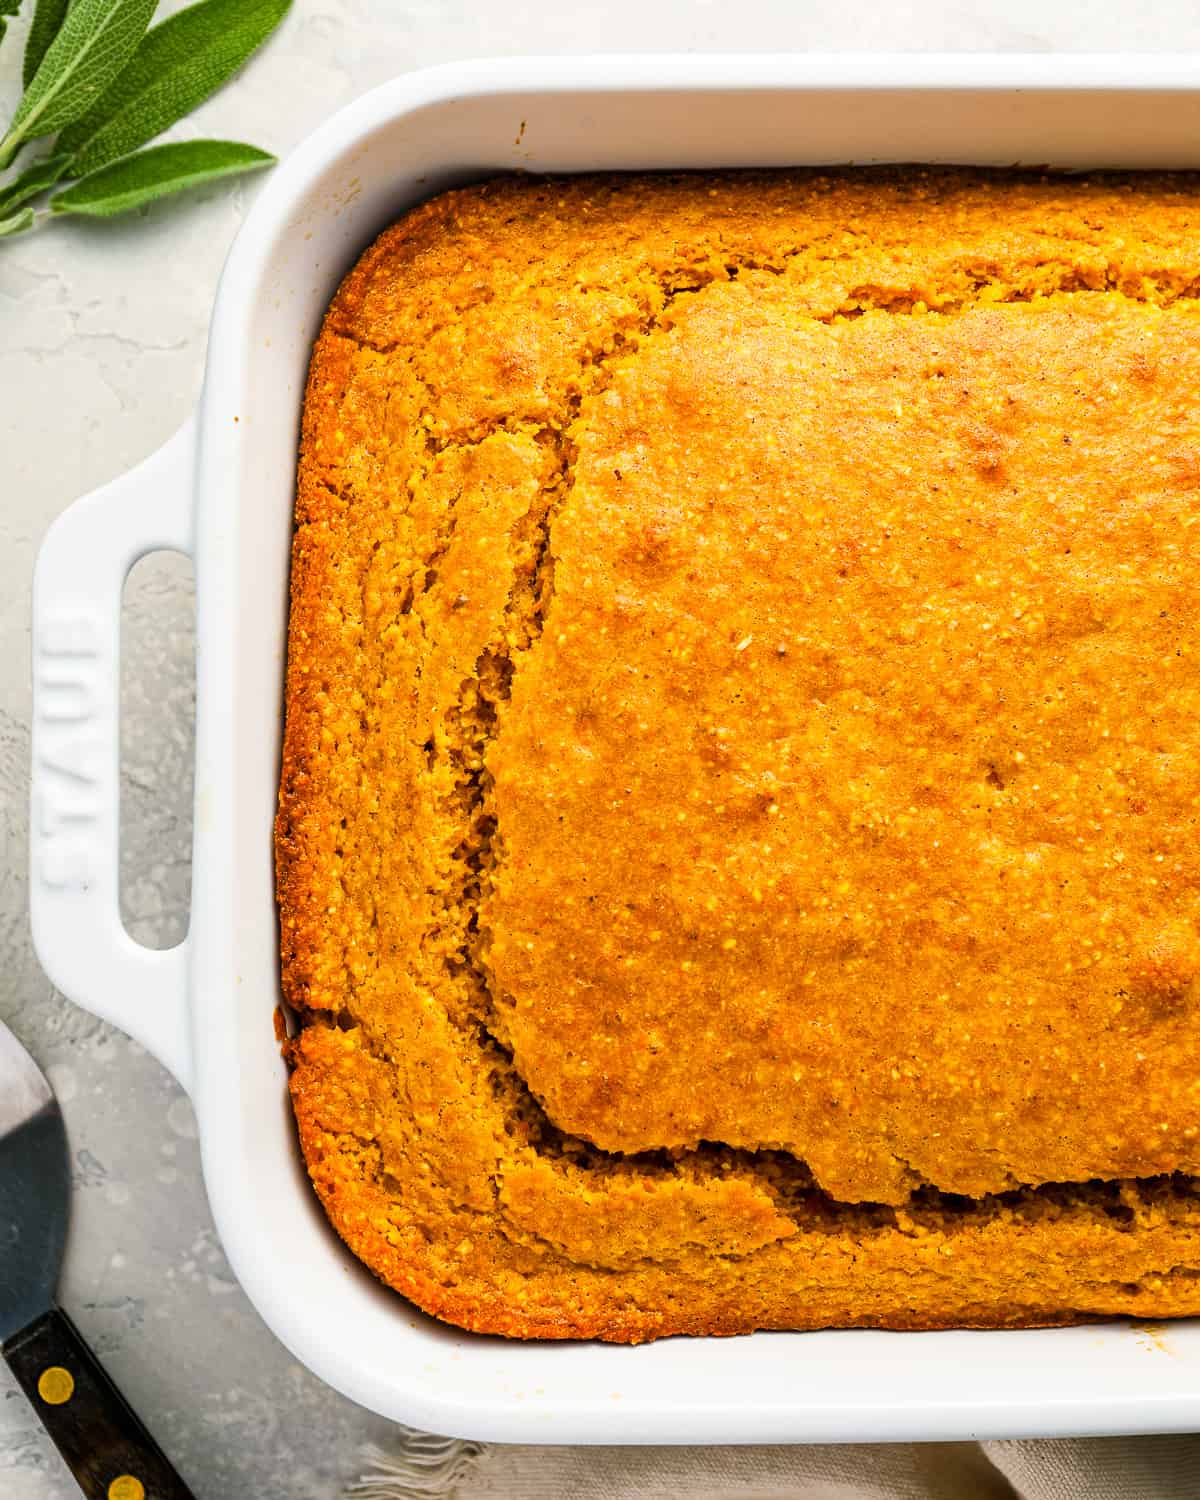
(35,1188)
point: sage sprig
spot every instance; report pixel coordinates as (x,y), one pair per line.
(104,84)
(177,67)
(97,39)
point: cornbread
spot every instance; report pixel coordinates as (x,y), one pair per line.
(737,845)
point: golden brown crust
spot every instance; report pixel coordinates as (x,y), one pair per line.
(739,690)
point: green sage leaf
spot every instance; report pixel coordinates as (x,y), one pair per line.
(156,173)
(47,21)
(97,39)
(17,223)
(35,179)
(175,68)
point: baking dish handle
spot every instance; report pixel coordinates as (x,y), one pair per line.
(74,881)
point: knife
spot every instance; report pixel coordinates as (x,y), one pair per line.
(107,1449)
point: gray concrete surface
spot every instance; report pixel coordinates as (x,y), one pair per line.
(102,334)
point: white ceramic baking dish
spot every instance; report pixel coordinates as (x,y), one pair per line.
(222,491)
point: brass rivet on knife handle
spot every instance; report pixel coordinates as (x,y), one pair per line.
(56,1385)
(126,1487)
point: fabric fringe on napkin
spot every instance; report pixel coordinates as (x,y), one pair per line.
(1149,1468)
(422,1466)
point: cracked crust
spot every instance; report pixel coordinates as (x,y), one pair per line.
(589,584)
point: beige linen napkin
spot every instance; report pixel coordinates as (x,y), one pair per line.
(420,1466)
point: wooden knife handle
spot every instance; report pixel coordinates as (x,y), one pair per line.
(107,1449)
